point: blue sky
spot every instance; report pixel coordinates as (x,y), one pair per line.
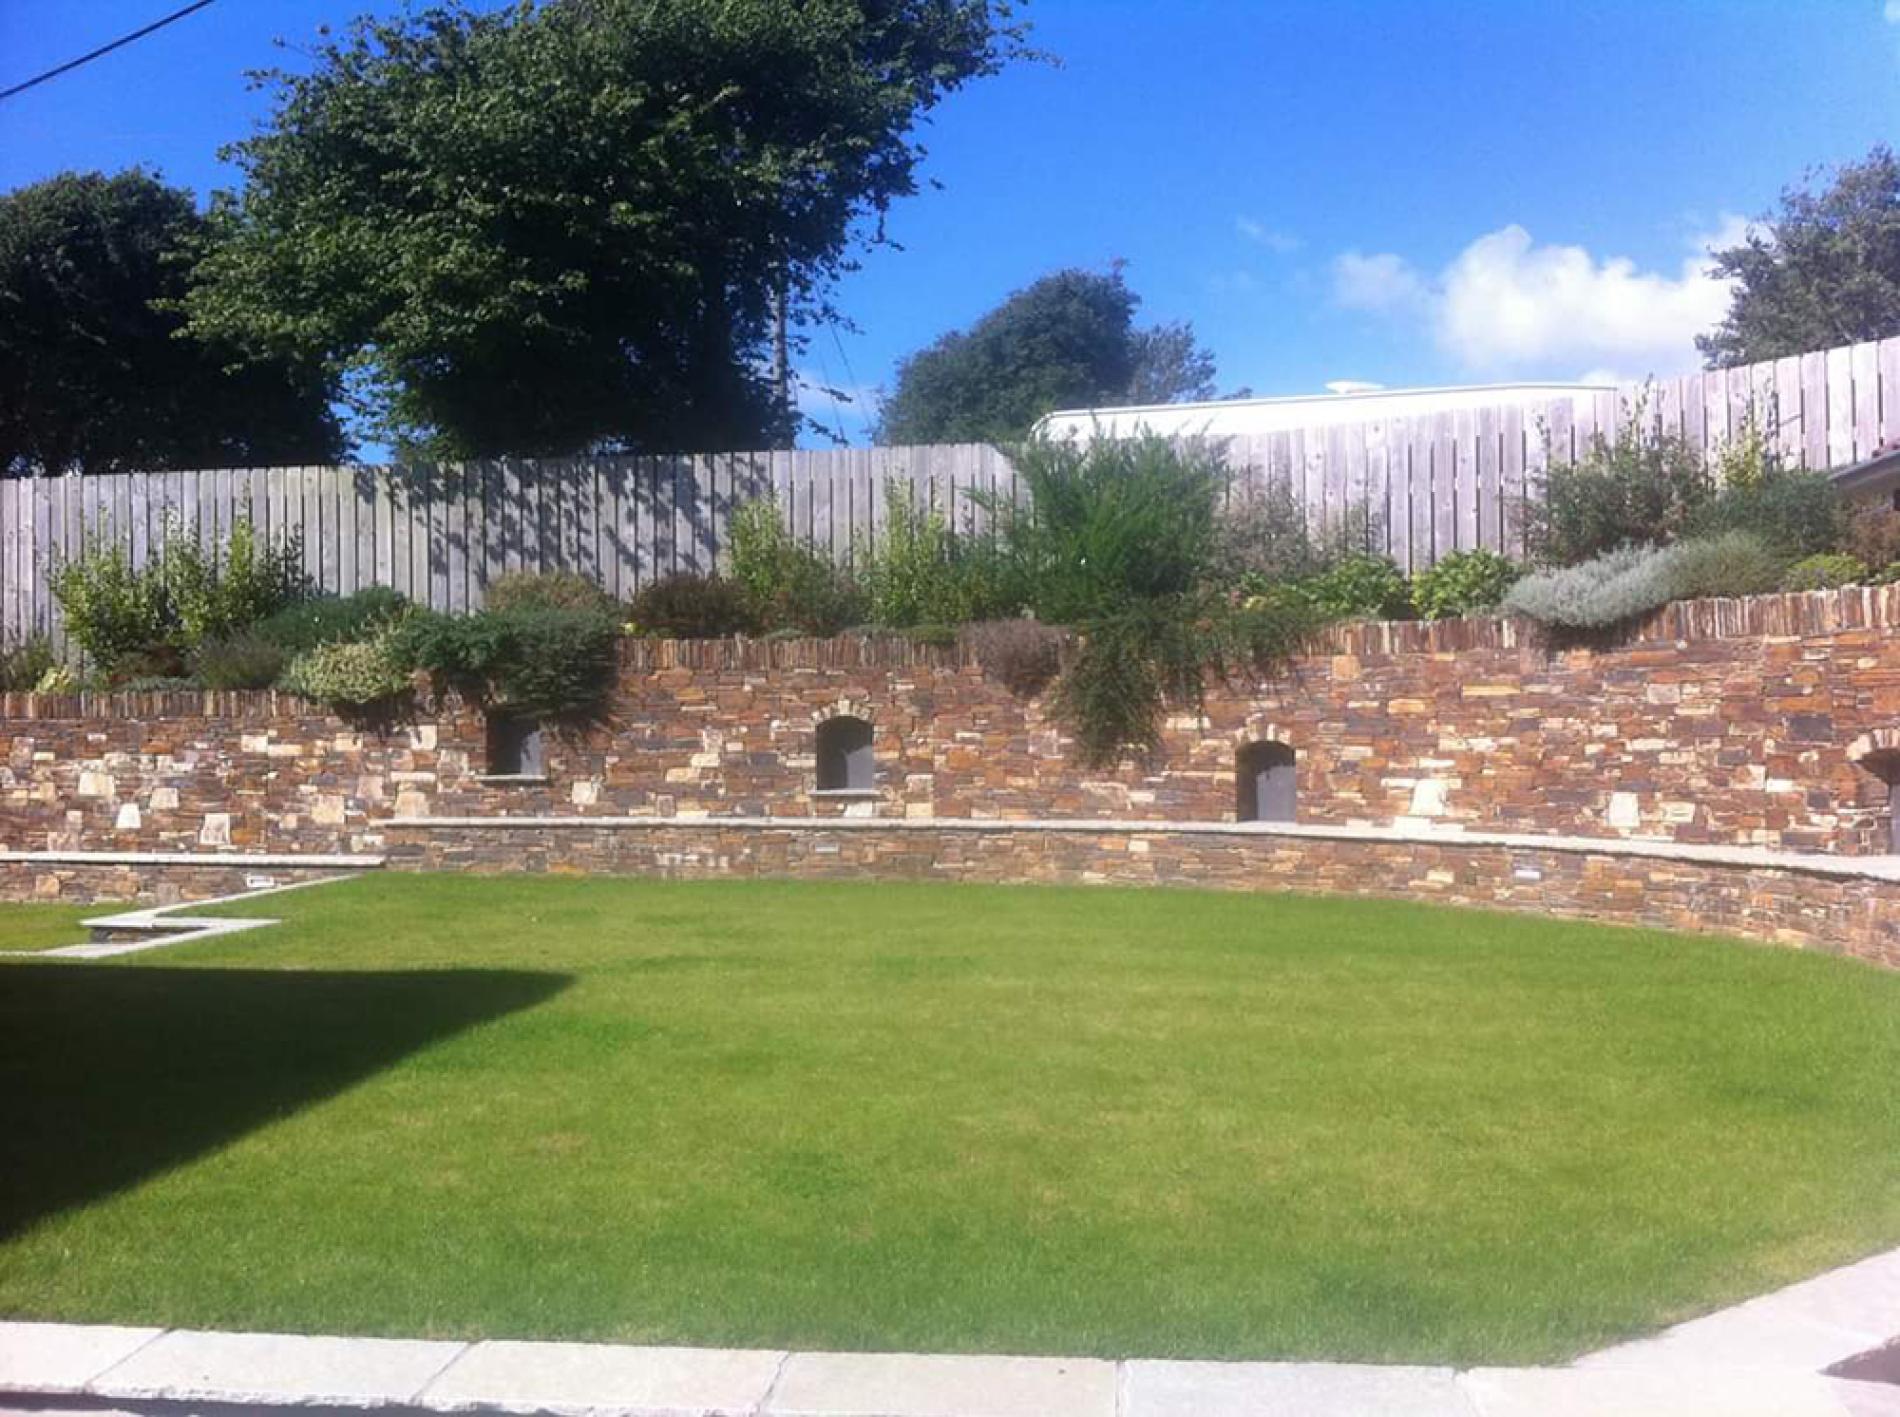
(1409,193)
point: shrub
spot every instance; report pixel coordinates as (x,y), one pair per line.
(1826,571)
(1109,523)
(1463,583)
(537,661)
(244,660)
(556,590)
(1734,563)
(1263,535)
(23,665)
(1600,592)
(1358,587)
(1022,655)
(1873,535)
(1798,513)
(349,674)
(1643,487)
(692,607)
(917,571)
(790,585)
(181,596)
(330,619)
(111,610)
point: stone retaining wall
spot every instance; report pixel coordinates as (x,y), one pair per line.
(1713,722)
(73,880)
(1815,905)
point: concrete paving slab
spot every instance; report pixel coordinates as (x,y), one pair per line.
(1571,1392)
(186,1366)
(919,1385)
(1809,1325)
(586,1378)
(1860,1399)
(63,1358)
(1171,1389)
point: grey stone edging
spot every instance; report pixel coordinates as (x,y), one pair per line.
(1762,1358)
(1873,868)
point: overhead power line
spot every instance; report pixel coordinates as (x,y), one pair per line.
(118,43)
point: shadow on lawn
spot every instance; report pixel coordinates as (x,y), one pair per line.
(109,1075)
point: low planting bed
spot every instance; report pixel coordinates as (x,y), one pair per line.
(938,1117)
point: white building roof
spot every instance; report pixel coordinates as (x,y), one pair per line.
(1237,418)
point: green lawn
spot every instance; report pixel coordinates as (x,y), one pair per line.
(939,1117)
(45,927)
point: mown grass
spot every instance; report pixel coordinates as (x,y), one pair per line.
(32,926)
(939,1117)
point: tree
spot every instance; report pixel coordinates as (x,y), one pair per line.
(566,226)
(95,375)
(1824,270)
(1066,341)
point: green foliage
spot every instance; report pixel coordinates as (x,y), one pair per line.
(1110,523)
(1641,487)
(157,613)
(1066,341)
(1358,587)
(354,674)
(556,590)
(1464,583)
(1797,513)
(918,572)
(1595,594)
(1727,564)
(328,619)
(1873,535)
(244,660)
(1824,270)
(1022,655)
(559,227)
(1826,571)
(536,661)
(24,664)
(690,607)
(93,374)
(791,586)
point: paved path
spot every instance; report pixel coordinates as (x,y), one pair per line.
(1763,1358)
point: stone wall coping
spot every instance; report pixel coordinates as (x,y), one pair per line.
(191,858)
(1875,868)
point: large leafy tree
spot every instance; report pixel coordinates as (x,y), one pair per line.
(95,375)
(567,226)
(1067,341)
(1823,270)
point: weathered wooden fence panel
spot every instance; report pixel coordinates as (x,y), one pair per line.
(1430,484)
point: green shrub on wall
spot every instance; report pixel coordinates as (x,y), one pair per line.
(1642,487)
(537,661)
(1464,583)
(1795,512)
(790,585)
(24,665)
(330,619)
(244,660)
(352,674)
(693,607)
(1827,571)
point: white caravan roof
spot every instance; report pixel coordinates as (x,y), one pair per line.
(1237,418)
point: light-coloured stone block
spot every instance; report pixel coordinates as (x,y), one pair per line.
(188,1366)
(410,803)
(586,1378)
(1162,1389)
(329,810)
(63,1358)
(1569,1392)
(422,737)
(216,830)
(128,819)
(1429,797)
(910,1385)
(586,792)
(97,784)
(163,799)
(1625,810)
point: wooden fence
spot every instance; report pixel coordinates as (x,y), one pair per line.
(1432,484)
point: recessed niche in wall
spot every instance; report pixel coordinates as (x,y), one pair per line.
(845,760)
(1265,789)
(515,747)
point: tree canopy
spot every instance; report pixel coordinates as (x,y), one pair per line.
(1823,270)
(94,373)
(1067,341)
(565,227)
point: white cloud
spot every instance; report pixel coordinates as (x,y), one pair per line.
(1891,12)
(1384,284)
(1507,304)
(1281,243)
